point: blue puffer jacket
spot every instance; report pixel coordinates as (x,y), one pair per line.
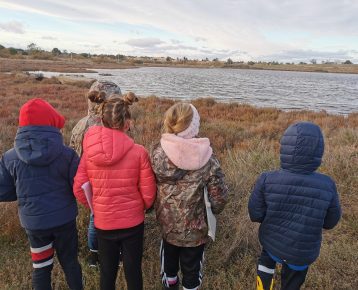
(294,204)
(39,172)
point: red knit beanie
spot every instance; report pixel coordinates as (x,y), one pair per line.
(38,112)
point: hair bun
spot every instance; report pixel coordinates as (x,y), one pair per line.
(130,98)
(97,97)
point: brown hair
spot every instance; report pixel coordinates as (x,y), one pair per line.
(177,118)
(114,111)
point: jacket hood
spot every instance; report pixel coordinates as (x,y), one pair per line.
(108,87)
(187,154)
(38,145)
(104,146)
(302,148)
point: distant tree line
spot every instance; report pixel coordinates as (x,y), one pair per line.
(36,52)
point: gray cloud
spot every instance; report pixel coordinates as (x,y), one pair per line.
(48,37)
(199,39)
(175,41)
(136,32)
(144,42)
(178,49)
(13,26)
(91,45)
(262,28)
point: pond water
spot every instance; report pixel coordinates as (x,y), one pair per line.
(335,93)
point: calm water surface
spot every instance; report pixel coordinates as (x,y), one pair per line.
(335,93)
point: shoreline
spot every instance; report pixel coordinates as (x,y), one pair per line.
(87,66)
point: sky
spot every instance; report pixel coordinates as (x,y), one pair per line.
(266,30)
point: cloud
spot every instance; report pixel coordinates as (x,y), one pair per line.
(179,49)
(175,41)
(91,45)
(218,24)
(135,32)
(224,27)
(13,27)
(200,39)
(306,55)
(156,46)
(170,47)
(144,42)
(48,38)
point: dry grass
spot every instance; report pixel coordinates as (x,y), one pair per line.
(78,65)
(325,68)
(246,140)
(59,65)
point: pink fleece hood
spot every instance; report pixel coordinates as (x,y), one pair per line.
(187,154)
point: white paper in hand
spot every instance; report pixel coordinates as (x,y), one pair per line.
(210,216)
(87,189)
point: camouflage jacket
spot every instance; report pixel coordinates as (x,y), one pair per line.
(112,90)
(81,128)
(180,207)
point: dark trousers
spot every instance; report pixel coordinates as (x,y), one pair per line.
(130,242)
(290,279)
(191,261)
(44,243)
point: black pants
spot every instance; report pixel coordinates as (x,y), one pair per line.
(43,245)
(290,279)
(110,244)
(191,261)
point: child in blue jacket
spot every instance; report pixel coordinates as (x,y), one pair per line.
(293,205)
(39,172)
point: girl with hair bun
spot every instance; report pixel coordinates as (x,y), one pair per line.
(184,166)
(123,186)
(108,90)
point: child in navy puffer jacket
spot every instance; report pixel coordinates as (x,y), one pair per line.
(39,172)
(293,205)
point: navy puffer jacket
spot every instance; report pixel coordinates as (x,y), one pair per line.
(294,203)
(39,173)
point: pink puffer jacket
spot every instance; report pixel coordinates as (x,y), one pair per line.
(121,177)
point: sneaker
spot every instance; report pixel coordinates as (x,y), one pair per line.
(173,287)
(93,259)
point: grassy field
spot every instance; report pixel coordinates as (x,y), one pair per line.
(246,140)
